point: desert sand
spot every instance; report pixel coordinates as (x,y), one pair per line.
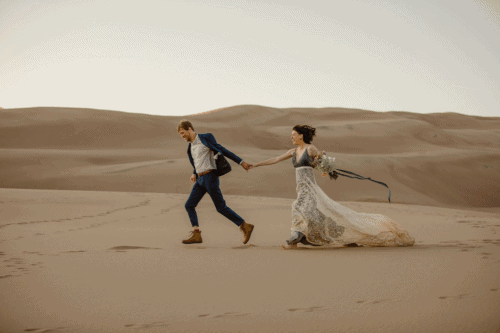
(92,217)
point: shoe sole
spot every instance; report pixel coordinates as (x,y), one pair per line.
(193,242)
(249,235)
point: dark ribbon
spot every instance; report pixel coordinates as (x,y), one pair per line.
(356,176)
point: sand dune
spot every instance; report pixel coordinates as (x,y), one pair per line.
(92,216)
(446,159)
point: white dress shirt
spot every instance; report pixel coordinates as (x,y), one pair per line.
(203,156)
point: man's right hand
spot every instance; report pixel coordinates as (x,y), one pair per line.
(193,179)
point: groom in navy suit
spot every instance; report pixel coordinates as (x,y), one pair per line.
(201,151)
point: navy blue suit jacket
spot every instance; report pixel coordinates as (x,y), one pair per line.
(209,140)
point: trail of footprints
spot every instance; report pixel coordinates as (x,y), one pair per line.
(327,308)
(483,223)
(462,296)
(93,225)
(141,204)
(225,314)
(16,266)
(162,323)
(46,330)
(309,309)
(472,244)
(150,325)
(475,246)
(238,314)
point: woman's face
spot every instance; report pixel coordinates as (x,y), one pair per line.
(297,138)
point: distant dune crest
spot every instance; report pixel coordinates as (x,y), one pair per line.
(441,159)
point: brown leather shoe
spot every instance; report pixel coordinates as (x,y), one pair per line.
(246,229)
(195,237)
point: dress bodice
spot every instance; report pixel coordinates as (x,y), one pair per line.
(305,159)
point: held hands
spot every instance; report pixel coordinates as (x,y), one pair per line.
(246,166)
(253,166)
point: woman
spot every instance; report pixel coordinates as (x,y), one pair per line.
(317,219)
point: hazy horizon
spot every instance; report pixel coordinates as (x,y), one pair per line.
(188,57)
(235,106)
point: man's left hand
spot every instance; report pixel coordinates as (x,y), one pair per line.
(245,165)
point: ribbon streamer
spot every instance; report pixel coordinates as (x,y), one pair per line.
(356,176)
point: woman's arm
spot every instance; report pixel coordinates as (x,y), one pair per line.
(312,151)
(275,160)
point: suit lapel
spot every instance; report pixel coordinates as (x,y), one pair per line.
(206,142)
(189,154)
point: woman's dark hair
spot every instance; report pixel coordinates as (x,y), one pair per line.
(307,131)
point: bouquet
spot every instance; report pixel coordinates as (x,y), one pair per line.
(325,164)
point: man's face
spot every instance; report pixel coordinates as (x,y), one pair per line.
(184,134)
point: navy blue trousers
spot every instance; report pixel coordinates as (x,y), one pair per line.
(210,184)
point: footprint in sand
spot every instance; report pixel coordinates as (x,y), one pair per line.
(492,241)
(309,309)
(225,314)
(377,301)
(149,325)
(485,255)
(461,296)
(46,330)
(237,314)
(470,246)
(452,242)
(124,248)
(242,247)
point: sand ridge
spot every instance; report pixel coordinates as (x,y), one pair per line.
(442,159)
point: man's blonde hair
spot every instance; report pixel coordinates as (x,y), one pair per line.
(185,125)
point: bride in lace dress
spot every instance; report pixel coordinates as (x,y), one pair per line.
(319,220)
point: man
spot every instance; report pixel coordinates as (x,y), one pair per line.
(201,151)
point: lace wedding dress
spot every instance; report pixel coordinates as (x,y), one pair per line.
(319,220)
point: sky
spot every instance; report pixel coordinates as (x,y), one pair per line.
(191,56)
